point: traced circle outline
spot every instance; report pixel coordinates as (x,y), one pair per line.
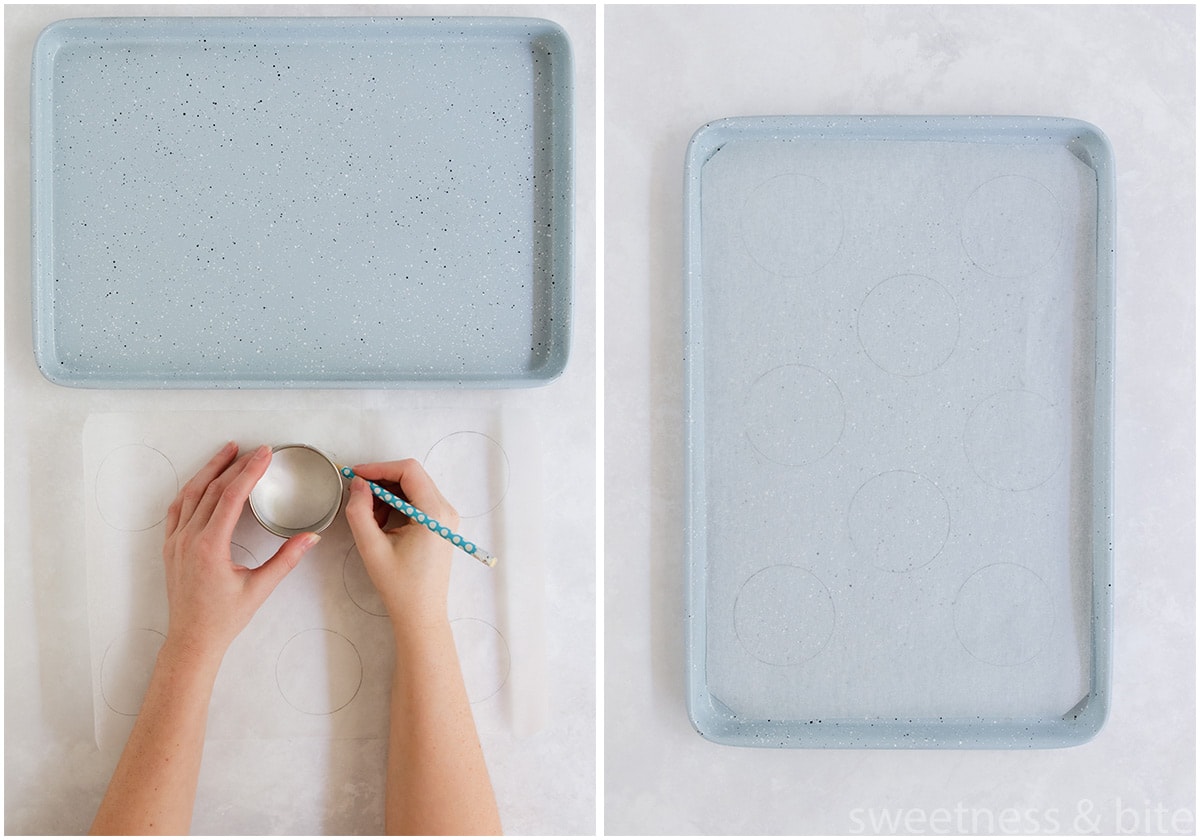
(100,471)
(1061,454)
(953,344)
(253,557)
(104,659)
(832,620)
(954,613)
(346,584)
(507,655)
(357,687)
(841,409)
(841,217)
(942,496)
(1058,235)
(507,468)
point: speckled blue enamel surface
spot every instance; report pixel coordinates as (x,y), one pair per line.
(328,202)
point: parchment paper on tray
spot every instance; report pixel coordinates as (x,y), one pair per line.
(899,465)
(316,659)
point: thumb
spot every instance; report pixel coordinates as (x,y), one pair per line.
(266,577)
(360,514)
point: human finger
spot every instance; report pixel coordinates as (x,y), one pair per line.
(360,514)
(265,578)
(192,492)
(415,483)
(234,490)
(382,510)
(203,510)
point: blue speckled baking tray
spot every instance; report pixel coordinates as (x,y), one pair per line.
(899,347)
(319,202)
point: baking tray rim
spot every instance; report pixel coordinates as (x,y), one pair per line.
(708,716)
(562,216)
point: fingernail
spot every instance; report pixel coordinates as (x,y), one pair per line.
(262,452)
(310,540)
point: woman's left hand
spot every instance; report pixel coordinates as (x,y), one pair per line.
(211,598)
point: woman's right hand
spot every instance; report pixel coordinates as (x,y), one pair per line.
(409,565)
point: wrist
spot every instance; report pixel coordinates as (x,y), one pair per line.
(186,656)
(414,622)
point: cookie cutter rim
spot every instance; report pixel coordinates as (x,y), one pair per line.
(321,524)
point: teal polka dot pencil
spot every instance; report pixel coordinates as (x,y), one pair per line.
(394,501)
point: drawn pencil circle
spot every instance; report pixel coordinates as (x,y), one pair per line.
(318,671)
(484,656)
(792,225)
(1015,440)
(126,667)
(243,556)
(1003,614)
(1011,226)
(472,471)
(908,325)
(135,485)
(899,520)
(796,415)
(783,615)
(359,588)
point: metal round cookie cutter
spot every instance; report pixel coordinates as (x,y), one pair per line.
(301,491)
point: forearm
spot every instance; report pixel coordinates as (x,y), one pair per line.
(154,786)
(437,779)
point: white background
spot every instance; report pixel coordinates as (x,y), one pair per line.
(1129,70)
(54,774)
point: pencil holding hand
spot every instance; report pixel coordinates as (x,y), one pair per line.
(421,518)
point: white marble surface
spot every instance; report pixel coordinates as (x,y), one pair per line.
(1129,70)
(54,774)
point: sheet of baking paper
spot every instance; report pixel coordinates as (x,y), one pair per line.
(317,657)
(897,412)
